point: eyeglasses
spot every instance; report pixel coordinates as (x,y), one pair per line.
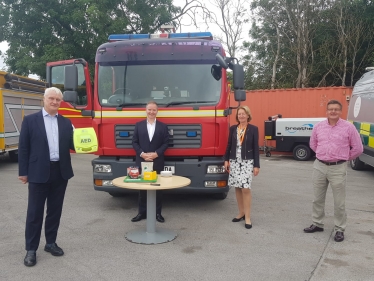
(333,109)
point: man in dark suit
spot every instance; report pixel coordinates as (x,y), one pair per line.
(150,141)
(45,164)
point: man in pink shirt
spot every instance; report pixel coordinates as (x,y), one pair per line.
(335,141)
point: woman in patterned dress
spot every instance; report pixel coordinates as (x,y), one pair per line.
(242,162)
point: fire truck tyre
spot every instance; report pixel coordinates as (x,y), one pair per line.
(268,154)
(117,194)
(13,155)
(220,196)
(357,164)
(302,152)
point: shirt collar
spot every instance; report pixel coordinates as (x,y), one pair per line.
(45,113)
(150,123)
(337,123)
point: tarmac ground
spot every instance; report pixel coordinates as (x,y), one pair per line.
(209,246)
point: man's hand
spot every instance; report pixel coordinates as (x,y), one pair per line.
(153,155)
(23,179)
(149,156)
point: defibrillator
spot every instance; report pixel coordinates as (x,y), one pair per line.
(85,140)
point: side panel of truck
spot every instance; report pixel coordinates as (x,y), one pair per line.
(14,105)
(361,114)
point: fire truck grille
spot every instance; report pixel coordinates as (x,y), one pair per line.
(180,136)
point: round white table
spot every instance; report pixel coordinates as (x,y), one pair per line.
(152,235)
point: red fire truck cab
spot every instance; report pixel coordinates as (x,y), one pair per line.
(185,73)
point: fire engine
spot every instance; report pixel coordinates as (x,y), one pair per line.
(184,73)
(19,96)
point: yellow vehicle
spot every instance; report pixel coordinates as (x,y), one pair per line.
(19,96)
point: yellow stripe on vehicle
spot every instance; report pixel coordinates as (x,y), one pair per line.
(69,109)
(365,133)
(142,113)
(371,142)
(365,127)
(161,114)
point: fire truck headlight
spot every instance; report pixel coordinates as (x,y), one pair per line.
(99,168)
(216,170)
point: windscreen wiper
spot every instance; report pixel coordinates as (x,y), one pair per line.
(129,104)
(186,102)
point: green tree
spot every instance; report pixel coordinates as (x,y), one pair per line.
(50,30)
(309,43)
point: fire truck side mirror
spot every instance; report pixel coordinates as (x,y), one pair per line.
(221,61)
(70,96)
(216,72)
(238,76)
(240,95)
(71,78)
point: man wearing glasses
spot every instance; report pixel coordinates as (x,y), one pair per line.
(335,141)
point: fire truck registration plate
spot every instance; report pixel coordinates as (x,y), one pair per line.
(169,168)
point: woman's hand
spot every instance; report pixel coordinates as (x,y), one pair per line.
(227,166)
(256,171)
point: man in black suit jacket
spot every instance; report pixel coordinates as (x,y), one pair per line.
(150,141)
(44,163)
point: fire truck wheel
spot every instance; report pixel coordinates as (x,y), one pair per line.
(357,164)
(302,152)
(13,155)
(221,196)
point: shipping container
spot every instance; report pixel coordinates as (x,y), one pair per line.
(291,103)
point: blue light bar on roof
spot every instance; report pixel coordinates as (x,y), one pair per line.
(119,37)
(202,35)
(198,35)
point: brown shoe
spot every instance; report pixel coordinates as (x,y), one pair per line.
(339,236)
(313,228)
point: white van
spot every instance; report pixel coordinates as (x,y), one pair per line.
(361,114)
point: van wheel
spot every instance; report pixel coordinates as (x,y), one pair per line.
(302,152)
(221,196)
(357,164)
(13,155)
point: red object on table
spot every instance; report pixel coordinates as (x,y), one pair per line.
(133,172)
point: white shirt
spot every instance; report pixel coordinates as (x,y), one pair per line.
(51,128)
(151,129)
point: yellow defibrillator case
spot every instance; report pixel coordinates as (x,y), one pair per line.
(85,140)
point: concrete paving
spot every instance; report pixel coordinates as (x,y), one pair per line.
(209,246)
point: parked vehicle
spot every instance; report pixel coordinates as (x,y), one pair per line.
(19,96)
(185,73)
(291,135)
(361,113)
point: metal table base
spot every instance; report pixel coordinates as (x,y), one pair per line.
(151,235)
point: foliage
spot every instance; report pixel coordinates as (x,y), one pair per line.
(50,30)
(309,43)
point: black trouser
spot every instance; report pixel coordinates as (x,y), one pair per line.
(143,201)
(54,192)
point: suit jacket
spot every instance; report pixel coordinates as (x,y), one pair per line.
(159,143)
(250,148)
(33,150)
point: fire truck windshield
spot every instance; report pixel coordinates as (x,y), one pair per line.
(168,84)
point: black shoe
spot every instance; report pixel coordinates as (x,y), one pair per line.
(53,249)
(238,219)
(248,226)
(339,236)
(139,217)
(313,228)
(160,218)
(30,259)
